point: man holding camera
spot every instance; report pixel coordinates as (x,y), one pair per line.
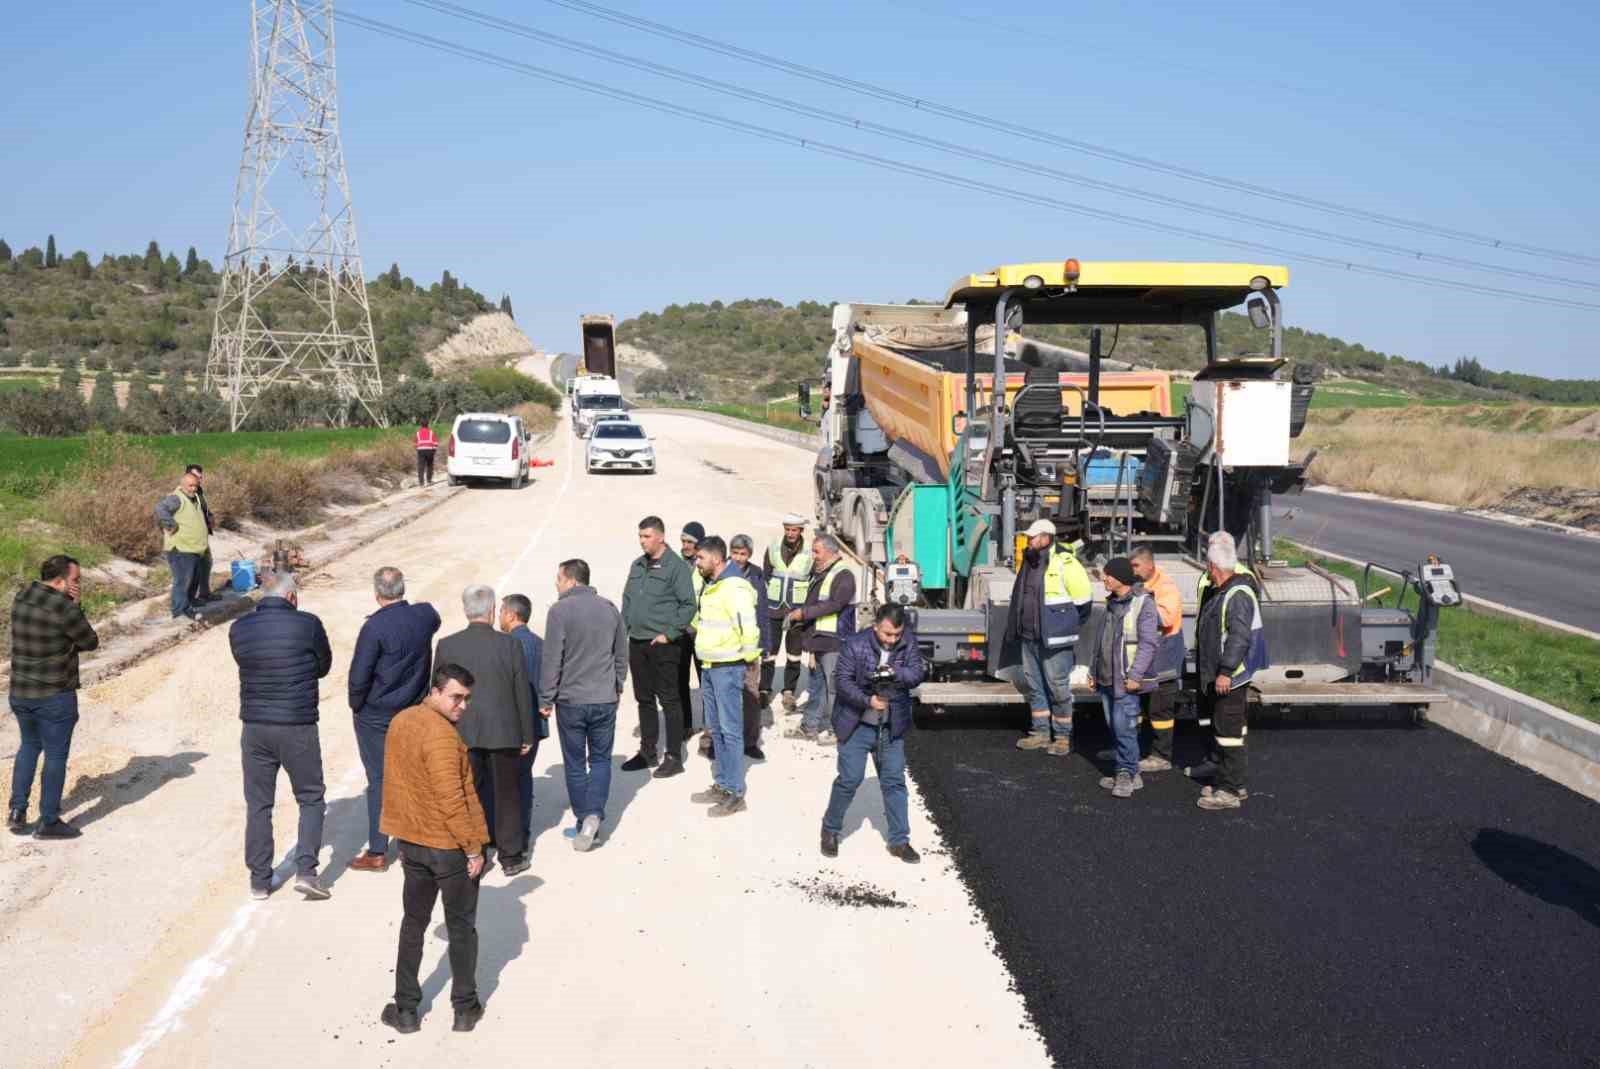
(876,672)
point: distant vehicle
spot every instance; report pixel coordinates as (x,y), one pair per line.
(599,345)
(619,445)
(608,417)
(487,445)
(593,395)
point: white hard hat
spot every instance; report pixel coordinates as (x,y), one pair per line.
(794,519)
(1041,527)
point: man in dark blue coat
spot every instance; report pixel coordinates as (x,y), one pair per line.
(281,653)
(876,672)
(515,611)
(389,672)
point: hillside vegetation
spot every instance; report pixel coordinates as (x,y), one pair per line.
(750,350)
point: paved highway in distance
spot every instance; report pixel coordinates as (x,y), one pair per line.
(1539,570)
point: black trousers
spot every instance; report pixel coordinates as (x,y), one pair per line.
(657,671)
(792,634)
(1160,707)
(685,660)
(752,705)
(432,874)
(424,466)
(1228,713)
(494,772)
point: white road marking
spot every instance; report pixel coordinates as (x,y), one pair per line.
(549,514)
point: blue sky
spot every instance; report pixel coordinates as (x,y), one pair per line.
(123,122)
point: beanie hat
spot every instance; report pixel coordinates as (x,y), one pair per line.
(1121,570)
(693,530)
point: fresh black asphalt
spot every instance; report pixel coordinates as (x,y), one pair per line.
(1540,570)
(1389,895)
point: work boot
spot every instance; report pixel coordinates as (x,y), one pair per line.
(312,888)
(1155,763)
(56,829)
(789,705)
(1219,800)
(711,794)
(730,804)
(402,1021)
(905,852)
(17,822)
(1032,741)
(670,766)
(639,762)
(1060,746)
(515,864)
(830,844)
(1242,793)
(467,1019)
(1115,784)
(588,832)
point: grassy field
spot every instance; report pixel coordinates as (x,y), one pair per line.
(1552,666)
(31,466)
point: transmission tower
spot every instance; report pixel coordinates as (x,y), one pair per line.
(292,254)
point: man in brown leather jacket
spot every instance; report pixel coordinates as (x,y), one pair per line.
(431,809)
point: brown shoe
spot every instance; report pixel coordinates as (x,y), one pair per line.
(1059,747)
(369,862)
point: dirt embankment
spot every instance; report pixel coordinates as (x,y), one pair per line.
(1537,462)
(487,340)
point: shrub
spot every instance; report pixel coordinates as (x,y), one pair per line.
(505,382)
(283,491)
(111,500)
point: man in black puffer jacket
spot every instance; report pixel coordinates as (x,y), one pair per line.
(281,653)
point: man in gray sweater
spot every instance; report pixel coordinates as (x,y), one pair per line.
(581,675)
(498,726)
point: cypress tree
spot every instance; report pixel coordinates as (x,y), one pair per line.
(505,305)
(50,257)
(5,252)
(191,263)
(152,258)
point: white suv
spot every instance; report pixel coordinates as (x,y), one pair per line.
(487,445)
(619,445)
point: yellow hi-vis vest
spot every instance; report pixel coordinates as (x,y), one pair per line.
(1204,582)
(790,582)
(725,629)
(828,625)
(1256,653)
(190,537)
(1066,586)
(697,580)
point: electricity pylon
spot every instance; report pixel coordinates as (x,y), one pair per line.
(292,253)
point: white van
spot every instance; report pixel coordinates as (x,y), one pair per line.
(595,394)
(487,445)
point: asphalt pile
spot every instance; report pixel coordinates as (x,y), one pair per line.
(857,895)
(1389,895)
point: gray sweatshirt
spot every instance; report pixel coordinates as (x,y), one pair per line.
(585,659)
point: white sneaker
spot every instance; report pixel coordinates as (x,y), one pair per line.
(588,832)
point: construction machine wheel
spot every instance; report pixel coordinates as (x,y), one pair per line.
(861,533)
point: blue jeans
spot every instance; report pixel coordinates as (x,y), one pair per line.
(889,758)
(1122,713)
(369,741)
(818,714)
(185,580)
(722,690)
(587,734)
(1047,673)
(46,727)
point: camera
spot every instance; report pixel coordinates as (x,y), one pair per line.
(882,682)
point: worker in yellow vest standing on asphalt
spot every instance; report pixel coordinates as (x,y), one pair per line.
(787,571)
(185,541)
(1050,604)
(727,638)
(1230,647)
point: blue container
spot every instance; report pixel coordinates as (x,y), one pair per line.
(1102,470)
(244,576)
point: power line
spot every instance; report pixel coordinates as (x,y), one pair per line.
(1104,152)
(782,137)
(1009,163)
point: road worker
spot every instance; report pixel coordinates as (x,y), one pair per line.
(786,568)
(824,622)
(727,638)
(1160,703)
(1050,603)
(1124,659)
(688,543)
(1203,590)
(427,446)
(1230,647)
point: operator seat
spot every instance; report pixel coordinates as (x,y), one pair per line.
(1037,410)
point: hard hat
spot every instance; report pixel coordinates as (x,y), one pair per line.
(794,519)
(1041,527)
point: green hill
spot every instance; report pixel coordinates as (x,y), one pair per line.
(750,350)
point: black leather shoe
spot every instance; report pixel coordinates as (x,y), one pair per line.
(467,1019)
(403,1021)
(670,766)
(513,866)
(17,822)
(830,844)
(754,753)
(905,853)
(56,829)
(639,762)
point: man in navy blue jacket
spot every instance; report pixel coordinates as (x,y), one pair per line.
(876,672)
(282,653)
(389,672)
(515,611)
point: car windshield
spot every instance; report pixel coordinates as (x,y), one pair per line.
(619,430)
(599,400)
(487,431)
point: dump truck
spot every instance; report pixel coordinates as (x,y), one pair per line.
(599,351)
(594,387)
(948,431)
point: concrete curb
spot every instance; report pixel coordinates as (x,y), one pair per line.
(812,442)
(1534,734)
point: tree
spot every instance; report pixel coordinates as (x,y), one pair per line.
(505,305)
(103,409)
(5,252)
(50,257)
(191,263)
(71,378)
(152,258)
(79,266)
